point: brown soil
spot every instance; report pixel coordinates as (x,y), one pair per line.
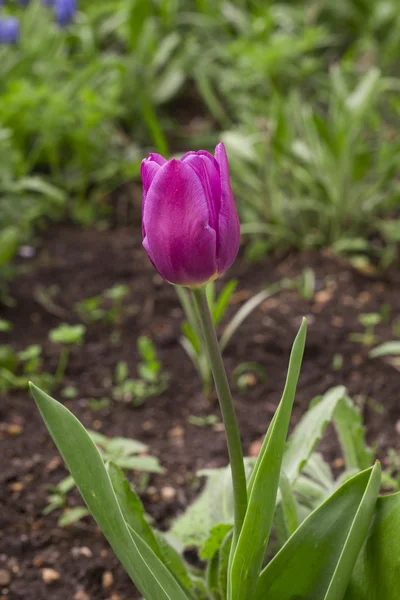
(84,263)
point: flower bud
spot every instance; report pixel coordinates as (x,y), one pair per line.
(190,224)
(64,11)
(9,30)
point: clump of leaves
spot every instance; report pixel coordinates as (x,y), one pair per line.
(107,307)
(18,368)
(151,380)
(129,455)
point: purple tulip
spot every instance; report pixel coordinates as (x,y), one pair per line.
(9,30)
(190,224)
(65,11)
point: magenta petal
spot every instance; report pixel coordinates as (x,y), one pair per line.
(179,240)
(148,170)
(190,153)
(209,177)
(228,241)
(157,158)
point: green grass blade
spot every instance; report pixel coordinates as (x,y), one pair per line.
(250,551)
(88,470)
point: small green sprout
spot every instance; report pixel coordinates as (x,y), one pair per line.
(67,336)
(369,321)
(151,382)
(203,421)
(5,326)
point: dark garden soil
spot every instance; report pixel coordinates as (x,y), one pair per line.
(83,264)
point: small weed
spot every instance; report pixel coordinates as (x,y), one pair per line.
(66,336)
(152,381)
(369,321)
(203,421)
(127,454)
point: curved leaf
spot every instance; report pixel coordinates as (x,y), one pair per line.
(88,470)
(253,539)
(304,567)
(308,432)
(376,575)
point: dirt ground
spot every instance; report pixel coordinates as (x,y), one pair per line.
(83,264)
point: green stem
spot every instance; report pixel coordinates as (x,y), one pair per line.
(227,409)
(62,364)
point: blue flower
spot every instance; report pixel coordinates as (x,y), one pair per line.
(48,2)
(65,11)
(9,30)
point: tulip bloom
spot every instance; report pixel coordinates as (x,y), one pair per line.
(9,30)
(190,224)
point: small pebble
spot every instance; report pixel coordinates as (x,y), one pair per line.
(168,493)
(176,432)
(5,577)
(255,447)
(107,579)
(14,429)
(50,576)
(80,595)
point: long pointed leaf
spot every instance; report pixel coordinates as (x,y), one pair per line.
(88,470)
(304,567)
(250,551)
(376,575)
(132,508)
(355,538)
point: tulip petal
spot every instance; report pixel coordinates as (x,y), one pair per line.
(228,227)
(160,160)
(208,173)
(148,170)
(179,240)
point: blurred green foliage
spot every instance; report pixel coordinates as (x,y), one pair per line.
(305,94)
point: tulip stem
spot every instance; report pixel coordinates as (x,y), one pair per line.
(227,409)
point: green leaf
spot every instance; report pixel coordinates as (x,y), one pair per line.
(175,562)
(87,468)
(304,567)
(355,538)
(223,567)
(386,349)
(132,507)
(376,575)
(133,512)
(309,431)
(288,503)
(212,577)
(213,507)
(215,539)
(253,539)
(150,464)
(351,432)
(119,446)
(223,301)
(9,240)
(69,517)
